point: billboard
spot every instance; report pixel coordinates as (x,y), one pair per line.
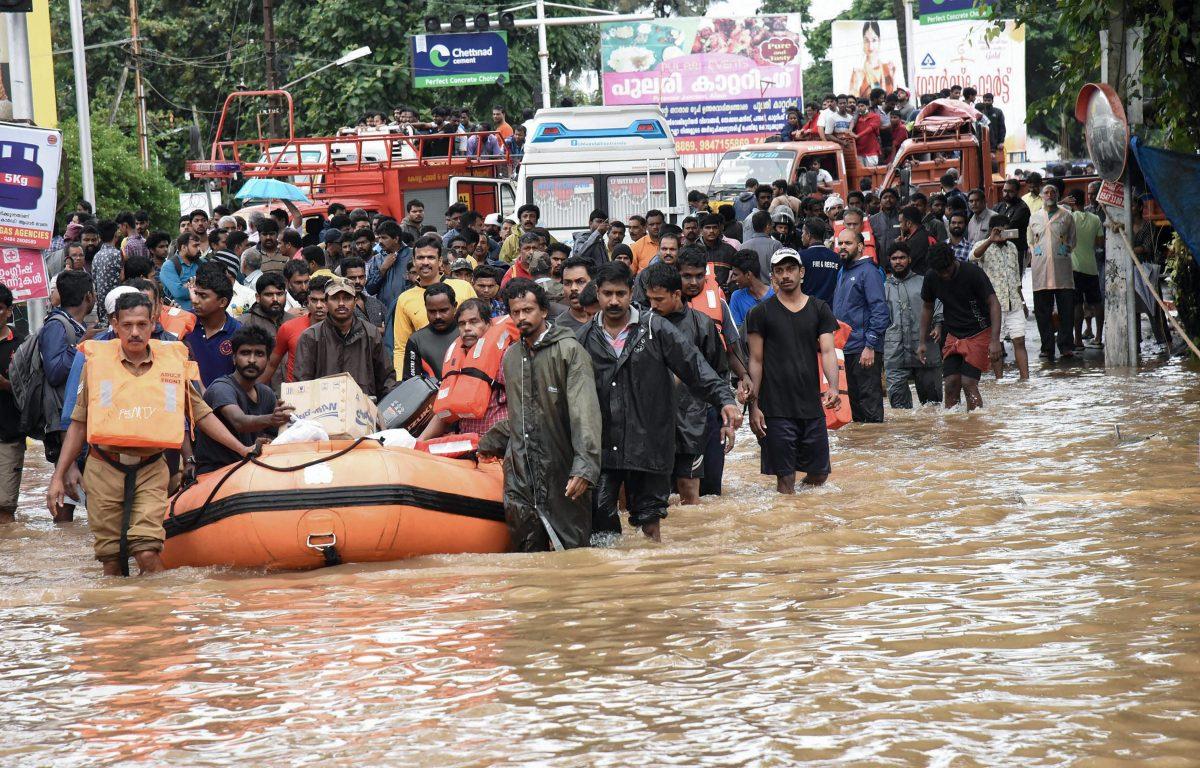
(721,82)
(961,53)
(470,58)
(938,11)
(865,55)
(24,272)
(29,162)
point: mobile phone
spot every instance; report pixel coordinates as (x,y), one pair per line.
(1009,234)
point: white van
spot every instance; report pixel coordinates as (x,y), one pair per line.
(619,159)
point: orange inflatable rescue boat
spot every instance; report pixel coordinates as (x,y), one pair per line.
(310,505)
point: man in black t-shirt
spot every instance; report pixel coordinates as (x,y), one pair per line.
(787,334)
(247,408)
(971,321)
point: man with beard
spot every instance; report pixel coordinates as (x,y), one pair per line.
(718,252)
(1013,208)
(297,273)
(958,240)
(576,274)
(551,439)
(425,351)
(916,237)
(900,364)
(271,258)
(344,343)
(637,357)
(859,302)
(268,314)
(885,225)
(409,315)
(368,306)
(473,318)
(289,333)
(247,408)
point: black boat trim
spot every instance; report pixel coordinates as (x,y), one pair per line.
(327,498)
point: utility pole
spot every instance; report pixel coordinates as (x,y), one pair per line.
(1118,49)
(82,108)
(543,53)
(18,67)
(138,90)
(269,49)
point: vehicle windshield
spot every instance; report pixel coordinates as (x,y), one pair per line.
(766,165)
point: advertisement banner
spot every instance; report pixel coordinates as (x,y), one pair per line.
(938,11)
(865,55)
(24,272)
(721,82)
(961,53)
(29,162)
(469,58)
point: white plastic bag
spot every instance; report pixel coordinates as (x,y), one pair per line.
(301,431)
(395,438)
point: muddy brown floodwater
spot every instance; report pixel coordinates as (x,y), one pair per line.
(1010,588)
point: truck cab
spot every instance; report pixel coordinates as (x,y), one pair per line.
(621,160)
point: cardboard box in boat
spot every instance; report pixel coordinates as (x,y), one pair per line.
(336,403)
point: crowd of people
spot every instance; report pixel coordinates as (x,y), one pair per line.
(735,310)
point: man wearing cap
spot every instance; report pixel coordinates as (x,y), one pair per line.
(788,334)
(345,343)
(860,303)
(331,243)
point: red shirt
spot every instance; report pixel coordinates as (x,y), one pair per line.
(518,269)
(287,339)
(866,135)
(899,136)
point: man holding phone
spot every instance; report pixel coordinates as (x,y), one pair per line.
(998,256)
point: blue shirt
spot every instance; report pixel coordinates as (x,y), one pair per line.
(58,348)
(213,354)
(860,303)
(821,267)
(742,301)
(173,280)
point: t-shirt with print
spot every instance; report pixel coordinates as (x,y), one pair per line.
(964,299)
(791,386)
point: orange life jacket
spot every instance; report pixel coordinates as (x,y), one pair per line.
(840,416)
(177,321)
(842,335)
(469,375)
(708,301)
(147,411)
(868,237)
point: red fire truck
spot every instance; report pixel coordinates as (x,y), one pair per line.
(377,171)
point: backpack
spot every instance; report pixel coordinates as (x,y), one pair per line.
(28,380)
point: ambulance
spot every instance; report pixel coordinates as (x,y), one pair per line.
(621,160)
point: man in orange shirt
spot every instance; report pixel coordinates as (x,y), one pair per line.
(500,120)
(646,249)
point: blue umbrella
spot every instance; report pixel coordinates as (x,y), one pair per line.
(271,189)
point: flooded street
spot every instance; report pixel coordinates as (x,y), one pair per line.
(1008,588)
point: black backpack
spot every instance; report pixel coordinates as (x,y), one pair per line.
(28,379)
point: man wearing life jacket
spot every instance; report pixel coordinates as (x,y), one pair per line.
(134,401)
(716,251)
(856,221)
(664,292)
(473,319)
(425,350)
(788,334)
(700,291)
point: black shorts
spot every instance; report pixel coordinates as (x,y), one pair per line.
(795,445)
(957,365)
(688,466)
(646,494)
(1087,288)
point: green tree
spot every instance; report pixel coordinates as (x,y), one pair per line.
(121,184)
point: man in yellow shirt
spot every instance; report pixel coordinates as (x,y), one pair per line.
(410,306)
(1033,198)
(646,249)
(528,215)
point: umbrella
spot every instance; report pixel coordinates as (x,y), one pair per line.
(271,189)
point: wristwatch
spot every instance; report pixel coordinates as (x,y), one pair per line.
(190,460)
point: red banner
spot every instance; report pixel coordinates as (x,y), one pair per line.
(24,272)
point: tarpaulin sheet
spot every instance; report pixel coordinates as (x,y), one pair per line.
(1174,180)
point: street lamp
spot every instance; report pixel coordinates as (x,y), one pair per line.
(345,59)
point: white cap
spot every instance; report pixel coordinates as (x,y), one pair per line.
(492,220)
(783,254)
(834,200)
(110,301)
